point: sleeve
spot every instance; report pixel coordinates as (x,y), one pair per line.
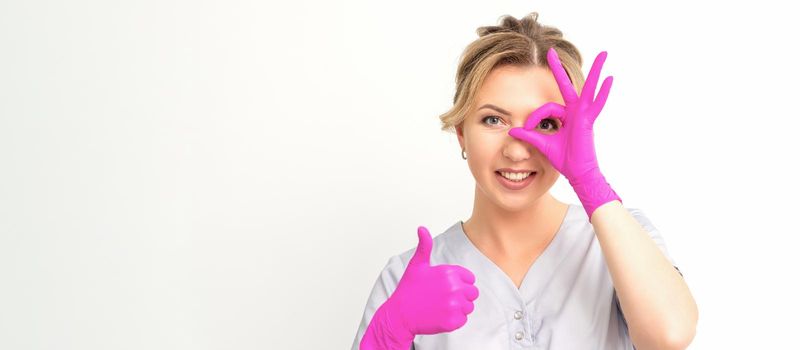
(655,234)
(384,286)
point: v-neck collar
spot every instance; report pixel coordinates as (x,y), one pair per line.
(538,274)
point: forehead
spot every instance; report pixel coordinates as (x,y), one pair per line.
(518,87)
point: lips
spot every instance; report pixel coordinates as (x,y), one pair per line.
(515,185)
(509,170)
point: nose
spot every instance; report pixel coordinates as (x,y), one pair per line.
(517,150)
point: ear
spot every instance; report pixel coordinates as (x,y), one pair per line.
(460,134)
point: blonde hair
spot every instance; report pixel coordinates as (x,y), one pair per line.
(521,42)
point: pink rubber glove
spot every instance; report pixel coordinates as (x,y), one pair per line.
(428,300)
(571,148)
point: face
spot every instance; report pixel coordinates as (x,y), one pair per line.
(516,92)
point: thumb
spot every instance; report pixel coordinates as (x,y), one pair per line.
(423,253)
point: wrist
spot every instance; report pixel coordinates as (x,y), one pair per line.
(387,330)
(593,191)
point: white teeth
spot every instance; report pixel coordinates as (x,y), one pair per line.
(515,176)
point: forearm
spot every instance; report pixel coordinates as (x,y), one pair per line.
(658,306)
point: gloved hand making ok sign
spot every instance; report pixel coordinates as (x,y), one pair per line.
(571,149)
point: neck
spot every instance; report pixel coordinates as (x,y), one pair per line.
(513,233)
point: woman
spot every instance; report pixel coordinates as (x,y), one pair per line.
(527,270)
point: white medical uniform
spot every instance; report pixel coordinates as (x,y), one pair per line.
(565,301)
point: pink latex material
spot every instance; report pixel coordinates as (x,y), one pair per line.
(428,300)
(571,148)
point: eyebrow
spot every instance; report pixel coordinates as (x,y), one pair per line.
(491,106)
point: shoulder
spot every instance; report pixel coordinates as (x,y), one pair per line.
(641,217)
(647,224)
(653,231)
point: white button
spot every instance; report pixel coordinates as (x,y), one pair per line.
(519,335)
(518,315)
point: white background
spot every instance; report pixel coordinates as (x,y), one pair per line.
(234,174)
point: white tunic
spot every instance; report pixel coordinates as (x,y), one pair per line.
(565,301)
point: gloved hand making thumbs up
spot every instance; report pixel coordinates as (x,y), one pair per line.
(428,300)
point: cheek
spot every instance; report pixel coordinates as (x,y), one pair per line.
(482,158)
(547,165)
(551,174)
(480,161)
(486,141)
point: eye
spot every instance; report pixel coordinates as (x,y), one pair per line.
(491,117)
(552,122)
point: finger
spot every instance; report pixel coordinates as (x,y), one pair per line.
(600,101)
(466,275)
(562,79)
(534,138)
(471,292)
(587,94)
(423,253)
(467,308)
(457,321)
(550,109)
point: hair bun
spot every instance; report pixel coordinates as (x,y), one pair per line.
(527,25)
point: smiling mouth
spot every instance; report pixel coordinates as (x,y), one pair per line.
(515,177)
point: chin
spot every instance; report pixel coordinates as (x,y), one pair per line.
(515,201)
(516,204)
